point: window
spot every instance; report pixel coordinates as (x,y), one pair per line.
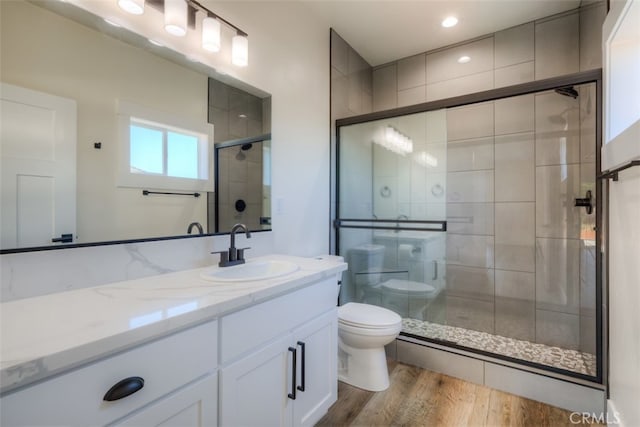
(163,152)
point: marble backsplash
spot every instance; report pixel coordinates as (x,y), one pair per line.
(30,274)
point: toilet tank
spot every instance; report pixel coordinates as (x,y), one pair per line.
(365,264)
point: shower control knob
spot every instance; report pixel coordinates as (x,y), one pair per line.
(585,202)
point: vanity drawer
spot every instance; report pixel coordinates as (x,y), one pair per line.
(249,328)
(76,398)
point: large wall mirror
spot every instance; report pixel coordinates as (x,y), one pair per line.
(108,138)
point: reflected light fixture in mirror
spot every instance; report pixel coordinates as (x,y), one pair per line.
(240,50)
(175,17)
(135,7)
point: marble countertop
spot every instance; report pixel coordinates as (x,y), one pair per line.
(49,334)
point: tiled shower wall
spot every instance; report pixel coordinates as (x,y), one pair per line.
(520,257)
(554,46)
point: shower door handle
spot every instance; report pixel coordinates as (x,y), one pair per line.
(585,202)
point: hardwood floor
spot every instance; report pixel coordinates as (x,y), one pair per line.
(417,397)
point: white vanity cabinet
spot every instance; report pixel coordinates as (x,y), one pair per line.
(180,387)
(260,382)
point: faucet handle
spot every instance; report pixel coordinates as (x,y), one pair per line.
(224,258)
(241,253)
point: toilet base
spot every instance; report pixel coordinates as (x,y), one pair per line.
(363,368)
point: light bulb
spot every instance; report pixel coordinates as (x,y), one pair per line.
(240,50)
(135,7)
(211,34)
(175,17)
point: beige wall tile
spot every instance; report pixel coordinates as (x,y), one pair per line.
(472,121)
(557,46)
(385,91)
(470,154)
(556,189)
(514,115)
(474,186)
(415,95)
(444,65)
(514,74)
(515,168)
(470,251)
(515,236)
(591,19)
(557,129)
(557,329)
(470,218)
(557,275)
(339,53)
(412,72)
(460,86)
(514,45)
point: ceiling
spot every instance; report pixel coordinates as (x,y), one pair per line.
(386,30)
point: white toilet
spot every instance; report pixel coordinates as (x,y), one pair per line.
(363,331)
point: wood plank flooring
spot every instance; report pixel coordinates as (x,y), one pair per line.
(417,397)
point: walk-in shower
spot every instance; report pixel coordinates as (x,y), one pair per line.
(476,219)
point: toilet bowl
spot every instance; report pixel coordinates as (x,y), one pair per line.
(363,331)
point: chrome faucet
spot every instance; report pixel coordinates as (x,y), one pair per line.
(233,256)
(196,225)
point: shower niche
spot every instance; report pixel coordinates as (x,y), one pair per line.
(475,219)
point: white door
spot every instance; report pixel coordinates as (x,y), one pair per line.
(194,406)
(254,390)
(38,159)
(318,381)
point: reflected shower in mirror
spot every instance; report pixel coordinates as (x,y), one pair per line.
(243,185)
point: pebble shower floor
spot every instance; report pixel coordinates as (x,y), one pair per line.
(571,360)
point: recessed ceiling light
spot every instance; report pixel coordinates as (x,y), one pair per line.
(464,59)
(242,116)
(110,22)
(155,42)
(449,21)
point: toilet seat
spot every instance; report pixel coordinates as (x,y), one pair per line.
(408,287)
(365,316)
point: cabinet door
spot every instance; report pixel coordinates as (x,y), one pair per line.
(319,338)
(193,406)
(253,390)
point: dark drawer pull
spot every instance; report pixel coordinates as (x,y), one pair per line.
(124,388)
(294,364)
(303,368)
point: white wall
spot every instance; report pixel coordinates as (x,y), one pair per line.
(289,58)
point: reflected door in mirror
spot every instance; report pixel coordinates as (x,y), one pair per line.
(38,151)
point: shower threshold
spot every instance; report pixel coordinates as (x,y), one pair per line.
(556,357)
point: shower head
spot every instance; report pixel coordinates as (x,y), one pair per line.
(246,147)
(567,91)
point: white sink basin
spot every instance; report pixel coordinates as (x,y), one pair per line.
(252,270)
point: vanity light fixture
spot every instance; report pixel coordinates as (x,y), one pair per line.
(135,7)
(449,21)
(240,50)
(464,59)
(211,34)
(181,15)
(175,17)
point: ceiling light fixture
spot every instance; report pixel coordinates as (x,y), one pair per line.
(135,7)
(175,17)
(449,21)
(464,59)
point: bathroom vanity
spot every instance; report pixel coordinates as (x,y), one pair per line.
(176,349)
